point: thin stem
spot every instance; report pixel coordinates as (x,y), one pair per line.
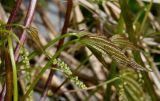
(15,94)
(112,73)
(99,85)
(49,44)
(14,12)
(9,80)
(10,20)
(28,20)
(76,71)
(60,44)
(132,37)
(49,63)
(146,16)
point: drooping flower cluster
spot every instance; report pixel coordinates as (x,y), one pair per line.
(64,67)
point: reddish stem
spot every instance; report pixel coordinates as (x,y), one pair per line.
(60,44)
(27,22)
(14,12)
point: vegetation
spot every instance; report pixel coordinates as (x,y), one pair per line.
(79,50)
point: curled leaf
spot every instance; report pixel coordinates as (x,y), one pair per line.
(33,33)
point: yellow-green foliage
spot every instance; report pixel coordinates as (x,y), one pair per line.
(105,46)
(129,87)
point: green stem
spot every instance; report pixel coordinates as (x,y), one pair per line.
(112,72)
(147,83)
(33,54)
(14,69)
(126,13)
(101,84)
(49,63)
(146,15)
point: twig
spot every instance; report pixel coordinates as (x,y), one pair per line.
(60,44)
(28,20)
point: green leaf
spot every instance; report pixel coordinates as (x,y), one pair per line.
(33,33)
(122,42)
(129,88)
(105,46)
